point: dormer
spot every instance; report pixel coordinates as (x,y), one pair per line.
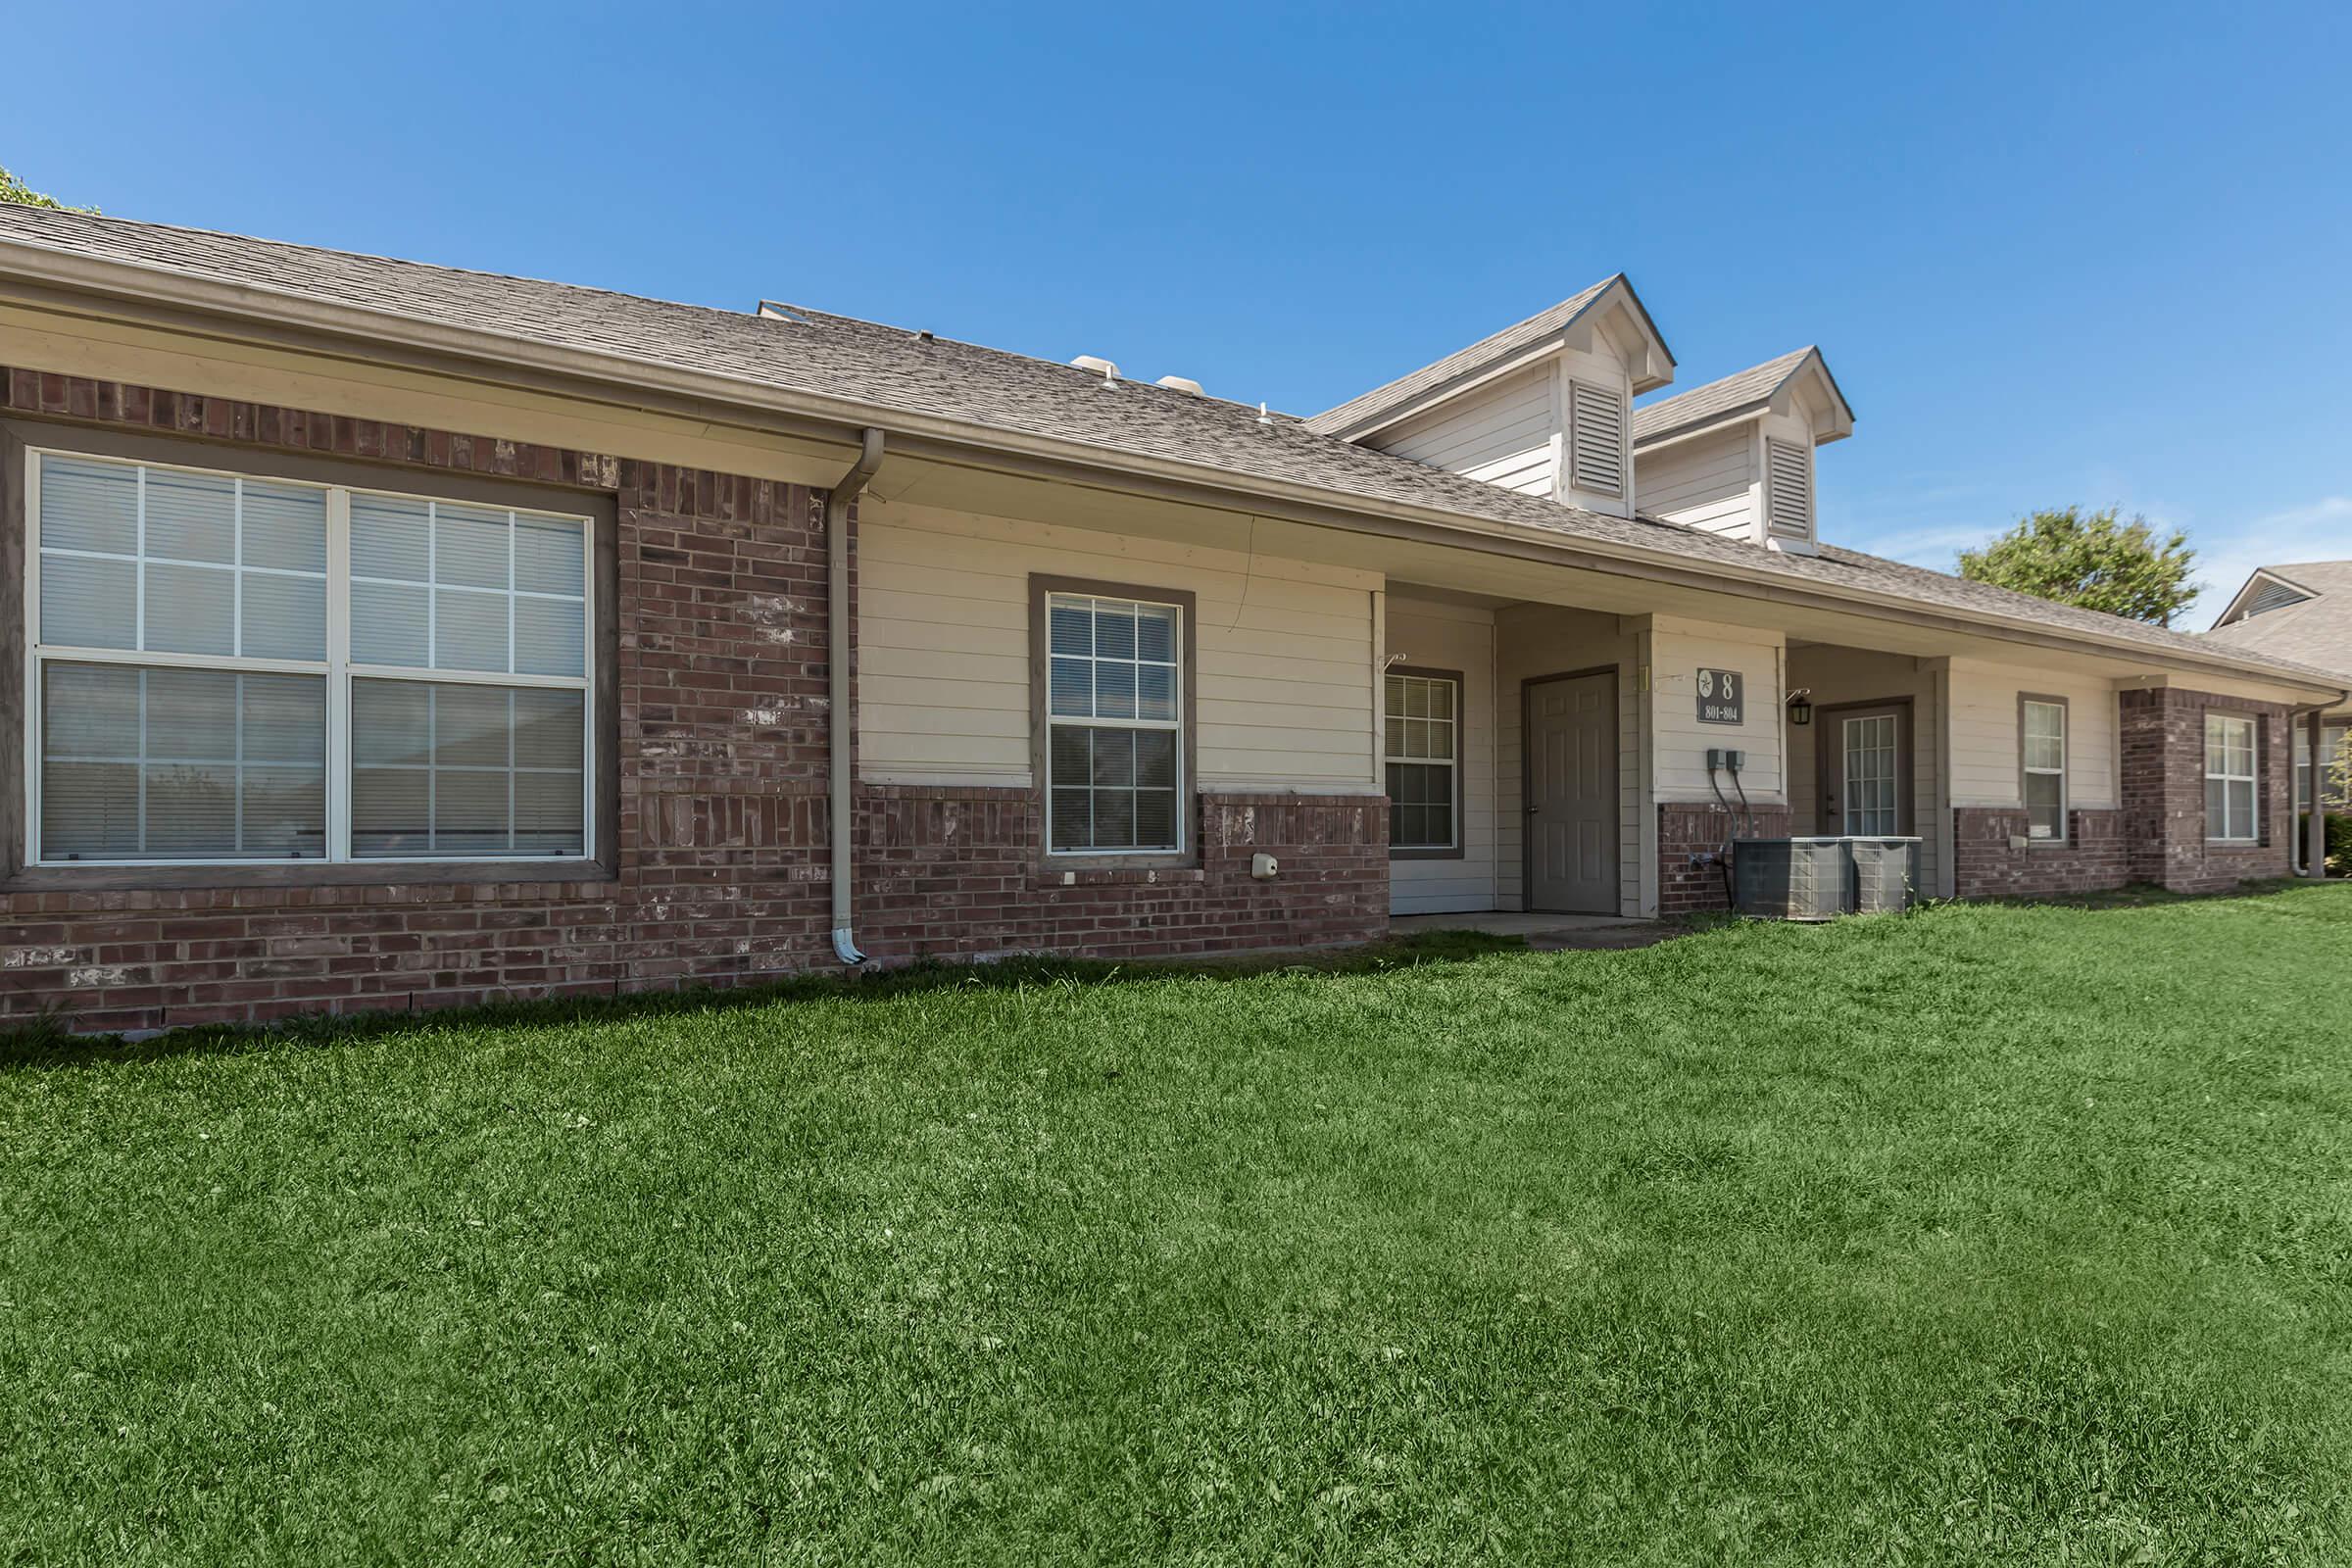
(1543,407)
(1736,456)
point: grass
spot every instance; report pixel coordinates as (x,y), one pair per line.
(1985,1235)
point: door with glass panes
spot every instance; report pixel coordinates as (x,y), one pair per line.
(1864,769)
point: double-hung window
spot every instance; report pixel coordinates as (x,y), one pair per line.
(1423,747)
(2231,813)
(1114,727)
(2042,740)
(230,667)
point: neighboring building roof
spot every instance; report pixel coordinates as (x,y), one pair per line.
(2316,630)
(1735,397)
(887,370)
(1374,408)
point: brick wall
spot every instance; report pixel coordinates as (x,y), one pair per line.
(1691,840)
(720,871)
(1987,865)
(2163,792)
(956,874)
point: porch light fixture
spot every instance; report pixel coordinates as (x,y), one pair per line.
(1800,708)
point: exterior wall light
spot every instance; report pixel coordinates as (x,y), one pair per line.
(1800,709)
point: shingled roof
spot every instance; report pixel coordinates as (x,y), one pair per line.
(2316,631)
(887,370)
(1359,413)
(1727,399)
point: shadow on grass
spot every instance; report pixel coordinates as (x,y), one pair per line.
(48,1043)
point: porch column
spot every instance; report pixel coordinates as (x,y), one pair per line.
(2315,836)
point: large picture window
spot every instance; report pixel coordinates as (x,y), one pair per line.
(2230,813)
(2041,741)
(1423,753)
(229,667)
(1114,728)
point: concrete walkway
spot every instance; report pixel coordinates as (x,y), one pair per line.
(1545,933)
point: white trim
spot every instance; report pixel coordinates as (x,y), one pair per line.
(335,669)
(2251,778)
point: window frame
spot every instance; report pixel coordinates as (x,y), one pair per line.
(1458,764)
(1042,587)
(2064,769)
(23,443)
(2252,778)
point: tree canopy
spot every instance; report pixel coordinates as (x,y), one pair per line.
(13,189)
(2095,559)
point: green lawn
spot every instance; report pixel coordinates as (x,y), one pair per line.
(1980,1235)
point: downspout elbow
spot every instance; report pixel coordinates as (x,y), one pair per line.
(838,794)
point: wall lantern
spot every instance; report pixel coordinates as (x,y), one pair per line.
(1800,709)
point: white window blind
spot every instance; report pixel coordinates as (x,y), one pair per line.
(1788,489)
(2230,809)
(1597,436)
(1114,725)
(191,685)
(2044,756)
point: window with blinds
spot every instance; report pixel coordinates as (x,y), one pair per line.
(230,667)
(2232,782)
(1114,725)
(1788,489)
(2042,754)
(1596,436)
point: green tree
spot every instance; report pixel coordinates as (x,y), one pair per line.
(13,189)
(2095,559)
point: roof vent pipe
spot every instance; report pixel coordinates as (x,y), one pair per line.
(1099,365)
(837,684)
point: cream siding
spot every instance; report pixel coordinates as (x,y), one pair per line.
(1285,651)
(1504,433)
(1984,738)
(1679,651)
(1429,635)
(1705,482)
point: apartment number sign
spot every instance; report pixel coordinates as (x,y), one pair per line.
(1721,698)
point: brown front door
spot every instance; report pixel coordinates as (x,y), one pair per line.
(1864,765)
(1572,794)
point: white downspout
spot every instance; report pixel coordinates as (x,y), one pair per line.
(838,804)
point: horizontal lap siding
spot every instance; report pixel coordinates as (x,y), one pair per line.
(1984,742)
(1678,652)
(1440,636)
(1703,482)
(1501,433)
(1285,693)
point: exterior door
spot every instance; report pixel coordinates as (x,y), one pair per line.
(1865,770)
(1572,794)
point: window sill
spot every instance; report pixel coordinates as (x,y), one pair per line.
(101,878)
(1398,851)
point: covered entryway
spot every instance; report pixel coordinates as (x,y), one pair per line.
(1571,797)
(1865,769)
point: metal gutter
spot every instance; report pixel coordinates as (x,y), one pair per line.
(838,738)
(498,353)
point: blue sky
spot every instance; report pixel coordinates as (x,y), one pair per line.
(2062,254)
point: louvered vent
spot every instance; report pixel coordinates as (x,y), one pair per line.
(1789,490)
(2274,596)
(1598,433)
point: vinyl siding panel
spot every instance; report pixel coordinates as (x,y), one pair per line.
(1504,434)
(1430,635)
(1679,651)
(1985,739)
(1705,482)
(1284,695)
